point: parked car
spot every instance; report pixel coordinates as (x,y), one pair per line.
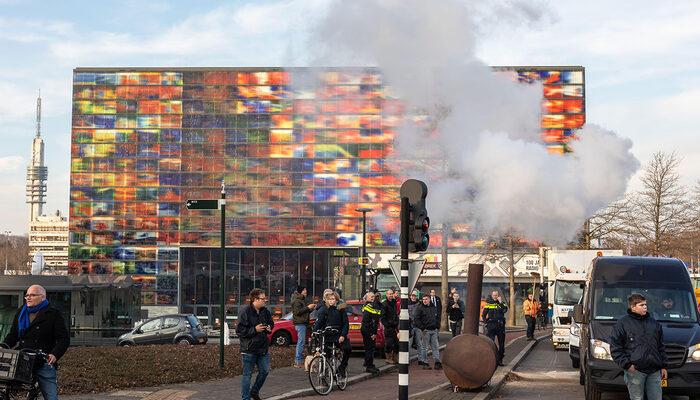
(284,334)
(174,328)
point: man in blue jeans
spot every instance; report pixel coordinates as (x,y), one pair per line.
(426,320)
(38,326)
(254,323)
(301,311)
(636,345)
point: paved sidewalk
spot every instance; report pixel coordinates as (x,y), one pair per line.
(279,382)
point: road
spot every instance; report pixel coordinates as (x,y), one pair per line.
(547,374)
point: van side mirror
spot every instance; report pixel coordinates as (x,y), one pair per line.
(578,314)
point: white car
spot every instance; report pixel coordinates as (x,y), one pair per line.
(574,340)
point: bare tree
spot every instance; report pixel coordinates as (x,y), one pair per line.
(607,223)
(515,248)
(659,211)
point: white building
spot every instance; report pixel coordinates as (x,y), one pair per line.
(49,235)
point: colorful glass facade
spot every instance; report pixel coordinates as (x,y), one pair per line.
(297,162)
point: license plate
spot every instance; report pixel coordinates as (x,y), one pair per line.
(355,327)
(664,382)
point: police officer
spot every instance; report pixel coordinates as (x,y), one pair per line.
(370,323)
(494,317)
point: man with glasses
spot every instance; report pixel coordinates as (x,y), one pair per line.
(38,326)
(254,323)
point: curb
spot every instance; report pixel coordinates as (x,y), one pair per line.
(351,380)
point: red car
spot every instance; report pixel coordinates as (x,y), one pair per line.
(284,334)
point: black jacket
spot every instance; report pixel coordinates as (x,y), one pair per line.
(638,340)
(335,318)
(370,319)
(438,305)
(47,332)
(425,317)
(455,314)
(300,309)
(390,318)
(253,341)
(494,314)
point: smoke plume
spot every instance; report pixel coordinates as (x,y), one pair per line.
(498,174)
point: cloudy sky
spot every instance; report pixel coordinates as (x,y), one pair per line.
(642,60)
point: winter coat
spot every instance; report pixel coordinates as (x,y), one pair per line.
(335,318)
(494,314)
(530,307)
(455,314)
(426,317)
(370,319)
(47,332)
(300,309)
(390,318)
(253,341)
(638,340)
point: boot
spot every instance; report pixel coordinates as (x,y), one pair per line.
(390,358)
(438,365)
(396,357)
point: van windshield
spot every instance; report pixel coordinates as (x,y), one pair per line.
(669,303)
(567,293)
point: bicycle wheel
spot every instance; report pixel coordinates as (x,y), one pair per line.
(320,375)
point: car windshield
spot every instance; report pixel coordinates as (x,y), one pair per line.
(567,293)
(354,309)
(666,302)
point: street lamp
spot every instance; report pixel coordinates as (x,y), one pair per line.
(7,249)
(364,211)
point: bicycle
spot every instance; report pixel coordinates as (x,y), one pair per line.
(323,368)
(27,387)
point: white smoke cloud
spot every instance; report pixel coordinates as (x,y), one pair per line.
(501,176)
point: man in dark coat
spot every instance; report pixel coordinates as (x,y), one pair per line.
(494,317)
(333,317)
(455,314)
(636,345)
(437,303)
(301,310)
(390,320)
(370,324)
(426,321)
(38,326)
(254,323)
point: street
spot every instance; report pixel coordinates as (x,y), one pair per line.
(547,374)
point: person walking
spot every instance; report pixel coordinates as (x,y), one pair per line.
(427,323)
(494,317)
(636,345)
(390,320)
(254,323)
(455,314)
(437,303)
(301,311)
(530,308)
(368,328)
(334,317)
(39,326)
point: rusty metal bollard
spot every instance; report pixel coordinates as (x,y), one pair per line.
(469,360)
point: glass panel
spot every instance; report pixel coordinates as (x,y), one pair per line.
(9,303)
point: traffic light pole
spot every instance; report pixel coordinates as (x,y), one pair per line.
(403,317)
(222,285)
(364,254)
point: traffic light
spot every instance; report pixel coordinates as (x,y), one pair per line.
(419,239)
(418,221)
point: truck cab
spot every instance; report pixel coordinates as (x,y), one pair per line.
(568,289)
(608,285)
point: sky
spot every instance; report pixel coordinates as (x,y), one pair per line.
(641,60)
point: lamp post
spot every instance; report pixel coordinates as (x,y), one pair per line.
(7,247)
(364,211)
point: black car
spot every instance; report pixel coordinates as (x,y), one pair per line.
(175,328)
(610,282)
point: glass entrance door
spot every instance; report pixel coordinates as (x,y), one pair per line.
(9,303)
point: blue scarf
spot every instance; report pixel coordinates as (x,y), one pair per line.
(24,315)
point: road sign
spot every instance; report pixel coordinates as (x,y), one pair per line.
(415,269)
(202,204)
(363,260)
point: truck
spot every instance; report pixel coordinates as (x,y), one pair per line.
(566,272)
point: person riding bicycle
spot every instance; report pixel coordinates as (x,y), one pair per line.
(332,317)
(38,326)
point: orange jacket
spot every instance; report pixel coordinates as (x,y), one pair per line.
(530,307)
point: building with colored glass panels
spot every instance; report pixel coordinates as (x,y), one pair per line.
(297,162)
